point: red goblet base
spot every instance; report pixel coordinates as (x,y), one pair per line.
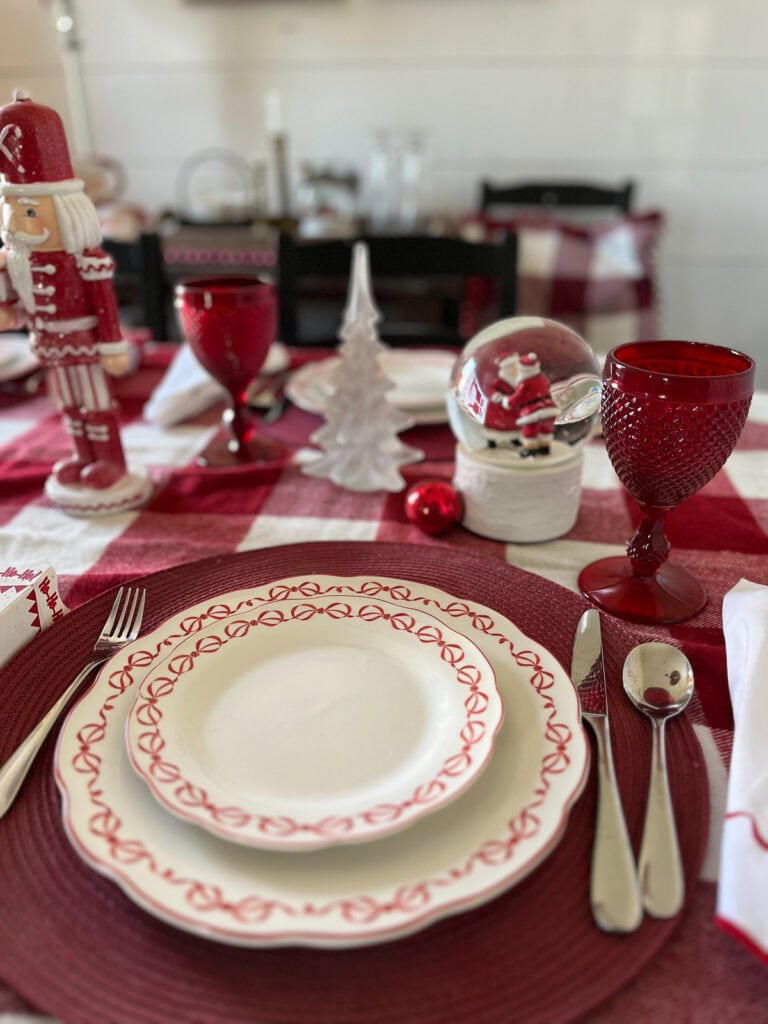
(671,595)
(224,451)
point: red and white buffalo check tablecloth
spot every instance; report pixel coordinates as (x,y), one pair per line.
(702,974)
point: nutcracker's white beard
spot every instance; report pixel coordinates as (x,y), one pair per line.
(20,268)
(78,221)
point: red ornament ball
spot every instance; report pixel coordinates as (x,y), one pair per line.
(433,505)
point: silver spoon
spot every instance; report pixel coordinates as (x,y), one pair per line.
(658,679)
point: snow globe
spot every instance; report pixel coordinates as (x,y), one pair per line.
(523,400)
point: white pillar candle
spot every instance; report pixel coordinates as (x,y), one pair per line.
(274,113)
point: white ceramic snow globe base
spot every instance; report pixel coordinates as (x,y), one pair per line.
(523,401)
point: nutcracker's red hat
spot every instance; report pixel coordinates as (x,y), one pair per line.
(34,156)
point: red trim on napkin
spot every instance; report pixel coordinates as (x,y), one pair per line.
(730,929)
(756,835)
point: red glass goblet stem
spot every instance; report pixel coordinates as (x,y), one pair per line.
(239,419)
(648,548)
(672,412)
(241,424)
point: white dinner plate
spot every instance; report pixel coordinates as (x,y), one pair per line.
(315,721)
(421,378)
(481,844)
(16,358)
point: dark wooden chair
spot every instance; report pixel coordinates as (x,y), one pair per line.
(141,289)
(412,277)
(554,194)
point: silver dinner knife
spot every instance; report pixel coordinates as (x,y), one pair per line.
(614,887)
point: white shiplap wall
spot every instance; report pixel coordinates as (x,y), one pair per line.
(672,92)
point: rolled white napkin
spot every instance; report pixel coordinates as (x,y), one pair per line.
(187,389)
(742,897)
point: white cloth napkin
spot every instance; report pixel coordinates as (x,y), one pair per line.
(187,389)
(29,602)
(742,898)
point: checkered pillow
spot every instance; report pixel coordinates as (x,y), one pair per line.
(597,278)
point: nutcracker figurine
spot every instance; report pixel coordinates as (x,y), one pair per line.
(56,280)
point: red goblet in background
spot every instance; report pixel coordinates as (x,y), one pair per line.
(230,322)
(671,412)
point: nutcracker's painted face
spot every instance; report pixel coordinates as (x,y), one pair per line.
(32,221)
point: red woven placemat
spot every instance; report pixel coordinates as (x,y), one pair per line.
(73,945)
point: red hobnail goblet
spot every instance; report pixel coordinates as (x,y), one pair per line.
(671,412)
(230,322)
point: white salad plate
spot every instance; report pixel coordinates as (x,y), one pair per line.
(315,721)
(420,379)
(476,847)
(16,357)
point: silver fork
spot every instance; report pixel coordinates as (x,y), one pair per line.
(122,625)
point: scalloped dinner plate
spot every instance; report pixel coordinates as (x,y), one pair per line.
(479,845)
(420,379)
(316,721)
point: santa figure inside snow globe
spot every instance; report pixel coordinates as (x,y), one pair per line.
(523,401)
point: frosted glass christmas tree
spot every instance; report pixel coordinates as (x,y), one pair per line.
(362,451)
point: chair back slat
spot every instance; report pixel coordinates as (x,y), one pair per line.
(555,194)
